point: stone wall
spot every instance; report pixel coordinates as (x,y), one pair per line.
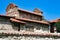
(38,27)
(27,38)
(30,16)
(5,24)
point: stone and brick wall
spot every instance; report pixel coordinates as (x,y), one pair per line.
(21,36)
(35,27)
(27,38)
(29,16)
(6,24)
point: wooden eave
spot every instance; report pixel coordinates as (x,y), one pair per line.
(54,21)
(25,19)
(33,13)
(15,20)
(6,16)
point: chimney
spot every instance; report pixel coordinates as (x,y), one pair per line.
(36,10)
(11,6)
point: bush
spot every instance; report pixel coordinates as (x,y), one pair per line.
(57,25)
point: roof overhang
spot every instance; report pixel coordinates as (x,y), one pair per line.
(24,19)
(54,21)
(33,13)
(15,20)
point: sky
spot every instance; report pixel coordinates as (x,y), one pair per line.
(50,8)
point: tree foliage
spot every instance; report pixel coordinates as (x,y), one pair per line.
(57,25)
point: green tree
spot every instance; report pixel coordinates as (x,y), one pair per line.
(57,25)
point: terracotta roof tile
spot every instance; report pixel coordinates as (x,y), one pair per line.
(55,20)
(30,12)
(34,21)
(6,16)
(15,20)
(28,33)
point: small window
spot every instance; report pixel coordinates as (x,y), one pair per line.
(23,16)
(16,26)
(38,28)
(29,28)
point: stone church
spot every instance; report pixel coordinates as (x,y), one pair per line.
(20,24)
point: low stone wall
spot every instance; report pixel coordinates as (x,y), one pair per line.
(27,38)
(26,35)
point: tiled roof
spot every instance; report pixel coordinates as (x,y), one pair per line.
(43,22)
(39,14)
(12,19)
(55,20)
(6,16)
(28,33)
(15,20)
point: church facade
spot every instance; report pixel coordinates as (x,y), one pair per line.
(19,24)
